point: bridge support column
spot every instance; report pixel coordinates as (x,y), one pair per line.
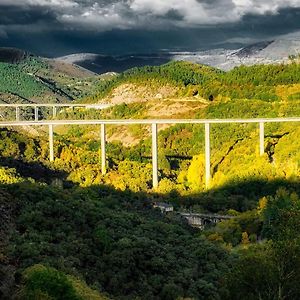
(54,111)
(207,155)
(17,113)
(103,149)
(36,114)
(154,156)
(261,138)
(51,144)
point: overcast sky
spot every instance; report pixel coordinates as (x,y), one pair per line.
(58,27)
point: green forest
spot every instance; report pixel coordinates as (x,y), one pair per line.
(69,232)
(41,81)
(261,82)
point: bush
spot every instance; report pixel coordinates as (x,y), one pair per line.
(40,281)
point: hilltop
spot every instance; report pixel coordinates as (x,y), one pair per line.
(26,78)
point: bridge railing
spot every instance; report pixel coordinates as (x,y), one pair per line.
(154,126)
(41,111)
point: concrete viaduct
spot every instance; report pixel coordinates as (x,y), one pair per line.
(201,220)
(153,123)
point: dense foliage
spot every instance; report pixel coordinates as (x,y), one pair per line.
(114,240)
(20,83)
(251,82)
(36,80)
(270,269)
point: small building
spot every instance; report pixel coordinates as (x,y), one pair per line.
(164,207)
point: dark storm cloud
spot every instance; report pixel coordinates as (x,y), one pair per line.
(104,14)
(19,15)
(56,27)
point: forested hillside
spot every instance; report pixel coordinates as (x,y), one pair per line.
(69,232)
(261,82)
(37,80)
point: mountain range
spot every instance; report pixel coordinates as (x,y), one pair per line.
(26,77)
(265,52)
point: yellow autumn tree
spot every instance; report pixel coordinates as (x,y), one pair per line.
(195,174)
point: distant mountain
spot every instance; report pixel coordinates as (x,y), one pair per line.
(265,52)
(105,63)
(253,49)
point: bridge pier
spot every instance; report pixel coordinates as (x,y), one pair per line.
(51,143)
(154,156)
(207,155)
(36,114)
(17,113)
(261,138)
(103,149)
(54,111)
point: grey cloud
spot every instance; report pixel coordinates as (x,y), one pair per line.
(60,27)
(105,15)
(12,15)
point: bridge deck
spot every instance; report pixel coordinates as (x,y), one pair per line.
(14,105)
(147,121)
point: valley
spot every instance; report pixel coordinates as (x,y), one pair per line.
(71,231)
